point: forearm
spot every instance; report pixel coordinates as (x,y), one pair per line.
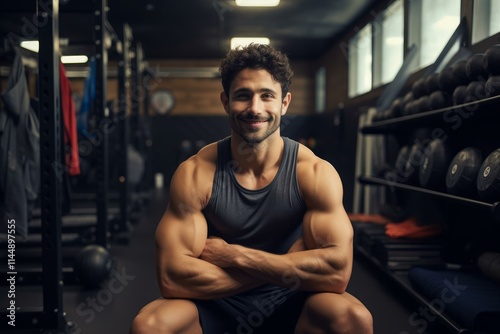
(312,270)
(198,279)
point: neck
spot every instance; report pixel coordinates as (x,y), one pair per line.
(257,158)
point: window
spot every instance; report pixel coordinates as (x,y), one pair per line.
(431,24)
(486,19)
(389,38)
(360,62)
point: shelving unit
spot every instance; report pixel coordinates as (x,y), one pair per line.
(471,124)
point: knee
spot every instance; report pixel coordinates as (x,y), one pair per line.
(145,323)
(360,319)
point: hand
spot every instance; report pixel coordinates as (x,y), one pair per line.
(217,252)
(297,246)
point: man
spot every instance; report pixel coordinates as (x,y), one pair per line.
(255,238)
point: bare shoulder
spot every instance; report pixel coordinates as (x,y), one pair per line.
(317,178)
(192,181)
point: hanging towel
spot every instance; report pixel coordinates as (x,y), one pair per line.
(19,151)
(72,157)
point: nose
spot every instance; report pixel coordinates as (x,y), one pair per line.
(255,104)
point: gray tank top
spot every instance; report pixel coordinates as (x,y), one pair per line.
(270,218)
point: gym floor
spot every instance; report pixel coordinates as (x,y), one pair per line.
(111,308)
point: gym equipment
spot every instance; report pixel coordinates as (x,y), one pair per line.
(474,68)
(397,107)
(459,95)
(432,82)
(413,163)
(403,154)
(488,178)
(92,265)
(492,86)
(462,173)
(433,169)
(459,73)
(419,88)
(491,59)
(423,104)
(439,99)
(446,80)
(475,91)
(489,264)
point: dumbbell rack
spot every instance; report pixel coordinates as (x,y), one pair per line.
(474,114)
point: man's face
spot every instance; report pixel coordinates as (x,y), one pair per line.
(255,105)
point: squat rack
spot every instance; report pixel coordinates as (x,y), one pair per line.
(52,316)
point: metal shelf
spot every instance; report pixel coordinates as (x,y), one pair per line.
(493,207)
(479,108)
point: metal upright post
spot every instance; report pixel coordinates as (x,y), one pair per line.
(121,227)
(50,137)
(103,121)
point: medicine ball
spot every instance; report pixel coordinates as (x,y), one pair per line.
(462,173)
(434,166)
(488,178)
(92,265)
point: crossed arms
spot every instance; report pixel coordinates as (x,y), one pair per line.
(192,266)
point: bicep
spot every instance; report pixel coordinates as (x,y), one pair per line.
(326,223)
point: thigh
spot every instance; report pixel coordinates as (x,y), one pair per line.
(171,315)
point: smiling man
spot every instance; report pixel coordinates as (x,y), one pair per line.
(255,238)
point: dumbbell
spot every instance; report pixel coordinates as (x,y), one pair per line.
(461,176)
(492,86)
(459,72)
(474,68)
(491,60)
(419,88)
(432,171)
(397,107)
(401,160)
(488,178)
(413,163)
(439,99)
(446,80)
(459,95)
(475,91)
(432,83)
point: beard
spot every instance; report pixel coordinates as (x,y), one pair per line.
(255,136)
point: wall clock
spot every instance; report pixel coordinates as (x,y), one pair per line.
(162,101)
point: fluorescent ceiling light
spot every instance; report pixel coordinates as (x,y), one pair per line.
(244,41)
(257,3)
(78,59)
(30,45)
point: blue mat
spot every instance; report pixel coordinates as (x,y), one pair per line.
(469,298)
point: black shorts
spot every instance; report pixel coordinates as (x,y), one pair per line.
(265,310)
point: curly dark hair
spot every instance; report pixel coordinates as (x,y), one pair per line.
(256,56)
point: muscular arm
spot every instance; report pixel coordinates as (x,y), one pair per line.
(325,264)
(180,239)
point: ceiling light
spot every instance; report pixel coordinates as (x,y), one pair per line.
(30,45)
(244,41)
(257,3)
(78,59)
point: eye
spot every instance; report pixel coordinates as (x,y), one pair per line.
(242,96)
(267,96)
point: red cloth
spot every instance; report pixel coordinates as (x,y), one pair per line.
(69,119)
(411,229)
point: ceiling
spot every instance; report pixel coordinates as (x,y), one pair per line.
(198,29)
